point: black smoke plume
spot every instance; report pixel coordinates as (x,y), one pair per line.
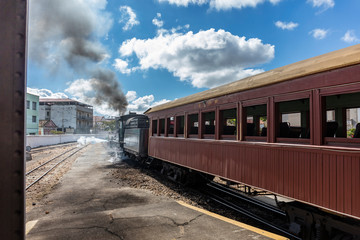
(66,32)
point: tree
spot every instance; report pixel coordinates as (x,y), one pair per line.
(109,125)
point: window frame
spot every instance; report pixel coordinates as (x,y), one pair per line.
(160,119)
(253,103)
(188,135)
(167,124)
(221,109)
(333,91)
(202,122)
(277,115)
(177,126)
(154,127)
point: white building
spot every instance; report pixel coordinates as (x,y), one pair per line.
(69,115)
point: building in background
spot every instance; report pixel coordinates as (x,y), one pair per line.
(47,127)
(98,124)
(32,114)
(104,124)
(68,115)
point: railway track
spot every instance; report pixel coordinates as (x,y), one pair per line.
(36,174)
(43,149)
(261,212)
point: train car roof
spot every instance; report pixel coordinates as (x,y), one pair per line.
(330,61)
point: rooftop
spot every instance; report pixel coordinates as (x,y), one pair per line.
(62,101)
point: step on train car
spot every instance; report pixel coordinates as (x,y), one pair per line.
(293,131)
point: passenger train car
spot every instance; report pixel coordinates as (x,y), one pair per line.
(292,131)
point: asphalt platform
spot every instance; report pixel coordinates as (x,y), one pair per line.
(86,204)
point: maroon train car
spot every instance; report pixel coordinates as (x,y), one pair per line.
(292,131)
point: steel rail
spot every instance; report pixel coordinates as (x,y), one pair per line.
(48,161)
(250,215)
(42,149)
(238,195)
(38,179)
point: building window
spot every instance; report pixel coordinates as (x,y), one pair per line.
(33,105)
(27,104)
(34,119)
(47,117)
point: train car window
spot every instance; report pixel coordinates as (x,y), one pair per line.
(228,121)
(330,116)
(193,127)
(162,126)
(352,122)
(256,123)
(294,122)
(331,125)
(154,127)
(342,126)
(293,119)
(208,123)
(180,123)
(170,126)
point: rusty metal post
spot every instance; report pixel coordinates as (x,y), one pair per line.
(13,18)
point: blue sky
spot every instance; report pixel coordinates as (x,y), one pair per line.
(160,50)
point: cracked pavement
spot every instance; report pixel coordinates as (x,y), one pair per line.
(86,204)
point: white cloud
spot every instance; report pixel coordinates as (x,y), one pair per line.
(46,93)
(221,4)
(157,20)
(319,33)
(128,17)
(122,66)
(350,37)
(206,59)
(229,4)
(325,4)
(184,3)
(286,25)
(141,104)
(131,96)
